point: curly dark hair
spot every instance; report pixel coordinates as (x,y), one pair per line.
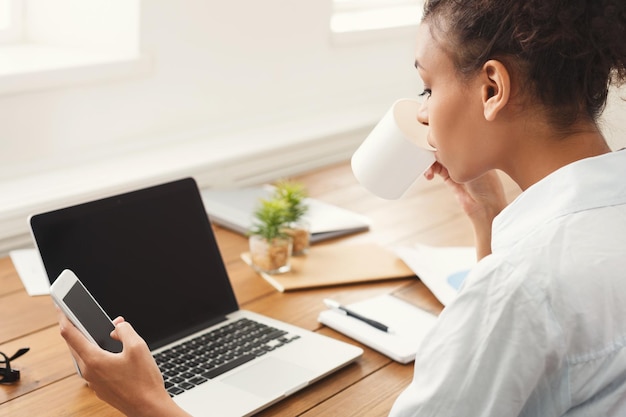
(568,51)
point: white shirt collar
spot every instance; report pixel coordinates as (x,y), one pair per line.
(582,185)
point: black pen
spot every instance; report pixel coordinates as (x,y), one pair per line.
(336,306)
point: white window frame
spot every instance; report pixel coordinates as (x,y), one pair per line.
(350,16)
(35,56)
(10,21)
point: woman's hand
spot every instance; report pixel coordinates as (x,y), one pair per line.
(481,199)
(130,381)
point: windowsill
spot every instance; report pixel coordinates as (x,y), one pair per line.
(348,27)
(32,67)
(187,154)
(373,35)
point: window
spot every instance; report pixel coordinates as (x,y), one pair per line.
(364,15)
(10,20)
(45,44)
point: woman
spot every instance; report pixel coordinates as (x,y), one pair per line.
(538,329)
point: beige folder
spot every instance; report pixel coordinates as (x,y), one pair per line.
(328,265)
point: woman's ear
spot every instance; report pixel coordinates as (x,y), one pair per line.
(495,88)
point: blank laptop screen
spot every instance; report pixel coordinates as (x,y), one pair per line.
(149,256)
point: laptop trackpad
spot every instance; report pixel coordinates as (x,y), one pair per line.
(270,377)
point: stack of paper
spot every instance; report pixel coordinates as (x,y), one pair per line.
(30,269)
(441,269)
(234,208)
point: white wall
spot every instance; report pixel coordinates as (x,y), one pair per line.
(228,78)
(222,65)
(613,121)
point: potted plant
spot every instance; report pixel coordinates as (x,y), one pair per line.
(270,245)
(294,194)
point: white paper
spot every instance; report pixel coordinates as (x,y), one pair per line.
(410,325)
(441,269)
(30,269)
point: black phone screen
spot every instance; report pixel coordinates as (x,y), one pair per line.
(91,316)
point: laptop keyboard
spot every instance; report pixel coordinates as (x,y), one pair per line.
(211,354)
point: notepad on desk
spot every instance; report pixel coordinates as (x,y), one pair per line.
(234,209)
(409,325)
(333,264)
(441,269)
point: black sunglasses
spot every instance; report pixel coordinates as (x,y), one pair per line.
(8,375)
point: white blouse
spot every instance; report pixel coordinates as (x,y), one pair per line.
(539,328)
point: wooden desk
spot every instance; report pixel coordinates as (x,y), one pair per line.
(428,214)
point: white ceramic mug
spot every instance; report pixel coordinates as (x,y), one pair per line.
(395,153)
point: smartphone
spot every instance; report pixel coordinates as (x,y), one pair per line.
(84,311)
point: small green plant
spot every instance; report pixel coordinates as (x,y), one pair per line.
(270,219)
(293,194)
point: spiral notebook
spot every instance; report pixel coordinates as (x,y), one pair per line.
(234,208)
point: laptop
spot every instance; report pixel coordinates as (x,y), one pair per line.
(150,255)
